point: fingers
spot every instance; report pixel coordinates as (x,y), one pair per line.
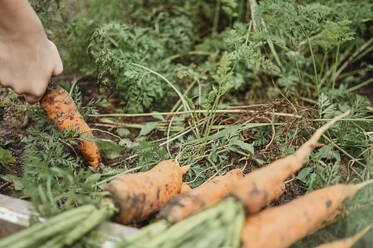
(32,99)
(31,96)
(28,70)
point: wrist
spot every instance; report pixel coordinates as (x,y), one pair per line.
(18,20)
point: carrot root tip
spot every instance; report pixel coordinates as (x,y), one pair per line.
(185,169)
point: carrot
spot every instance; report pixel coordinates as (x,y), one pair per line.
(139,195)
(61,109)
(184,205)
(255,190)
(185,188)
(220,225)
(133,197)
(346,242)
(282,226)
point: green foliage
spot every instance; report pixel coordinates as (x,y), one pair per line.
(351,138)
(47,10)
(108,148)
(114,49)
(215,96)
(147,128)
(296,32)
(244,48)
(51,176)
(6,157)
(216,158)
(230,7)
(175,30)
(324,171)
(150,154)
(351,135)
(307,38)
(335,34)
(72,42)
(214,53)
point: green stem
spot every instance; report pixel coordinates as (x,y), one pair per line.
(56,242)
(334,77)
(343,151)
(179,229)
(357,119)
(354,55)
(145,234)
(227,111)
(37,228)
(361,85)
(50,231)
(317,81)
(216,18)
(322,67)
(185,104)
(211,119)
(238,225)
(189,53)
(74,83)
(107,209)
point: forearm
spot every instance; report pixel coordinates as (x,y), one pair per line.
(18,19)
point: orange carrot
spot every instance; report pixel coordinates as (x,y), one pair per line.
(282,226)
(139,195)
(277,192)
(346,242)
(61,109)
(184,205)
(255,190)
(185,188)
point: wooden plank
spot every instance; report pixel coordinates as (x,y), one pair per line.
(15,216)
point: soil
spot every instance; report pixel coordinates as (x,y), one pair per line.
(13,120)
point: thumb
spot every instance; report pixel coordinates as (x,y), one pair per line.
(57,62)
(58,69)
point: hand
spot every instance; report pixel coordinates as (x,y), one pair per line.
(27,66)
(27,58)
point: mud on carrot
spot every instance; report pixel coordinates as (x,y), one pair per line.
(279,227)
(142,194)
(256,189)
(184,205)
(61,109)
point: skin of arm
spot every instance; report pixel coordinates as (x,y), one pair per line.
(27,58)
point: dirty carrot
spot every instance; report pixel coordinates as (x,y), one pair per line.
(347,242)
(255,190)
(141,194)
(61,109)
(133,197)
(282,226)
(220,225)
(184,205)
